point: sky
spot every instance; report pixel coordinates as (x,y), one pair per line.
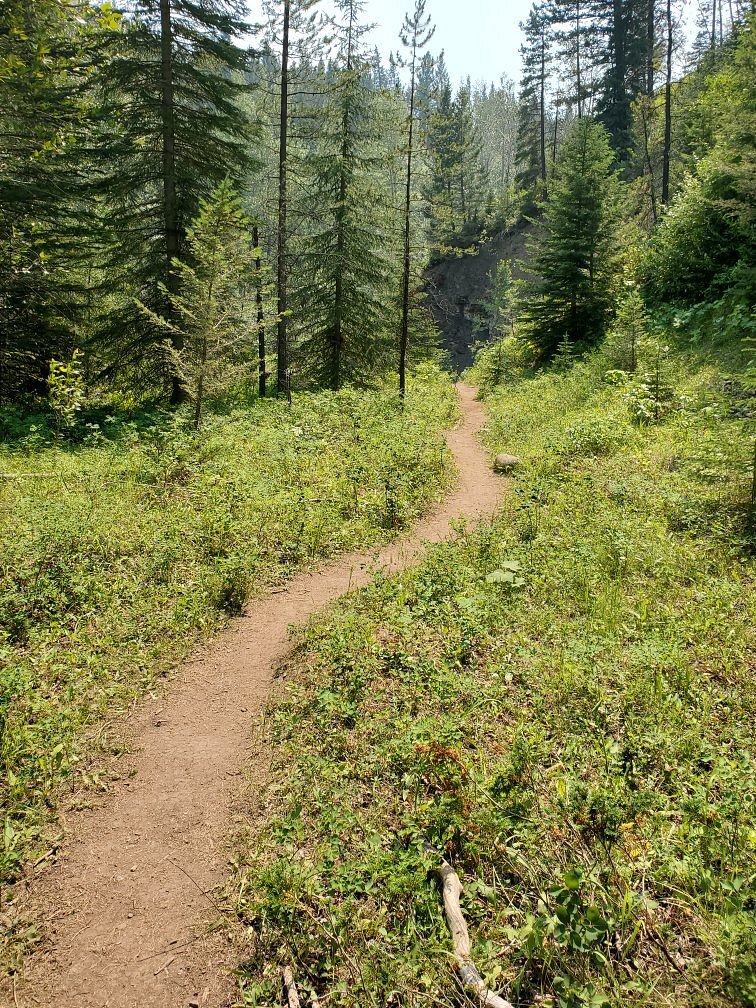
(480,38)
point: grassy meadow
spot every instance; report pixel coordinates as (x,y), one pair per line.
(561,701)
(123,546)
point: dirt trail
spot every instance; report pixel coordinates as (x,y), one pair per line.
(126,905)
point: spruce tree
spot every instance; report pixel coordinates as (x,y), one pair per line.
(291,40)
(458,188)
(172,130)
(48,230)
(344,302)
(416,33)
(209,302)
(531,132)
(574,252)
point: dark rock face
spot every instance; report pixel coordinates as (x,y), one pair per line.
(457,289)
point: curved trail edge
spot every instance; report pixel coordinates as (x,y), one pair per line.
(126,906)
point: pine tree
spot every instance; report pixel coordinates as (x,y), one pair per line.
(292,33)
(627,29)
(48,230)
(209,301)
(573,31)
(574,253)
(457,189)
(416,33)
(172,130)
(344,298)
(531,132)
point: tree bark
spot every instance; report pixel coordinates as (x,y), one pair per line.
(542,103)
(282,348)
(650,45)
(667,112)
(262,374)
(578,80)
(404,332)
(178,393)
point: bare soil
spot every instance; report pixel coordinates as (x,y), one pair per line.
(129,908)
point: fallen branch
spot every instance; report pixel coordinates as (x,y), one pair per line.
(292,995)
(469,976)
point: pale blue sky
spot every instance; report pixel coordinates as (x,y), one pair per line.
(480,38)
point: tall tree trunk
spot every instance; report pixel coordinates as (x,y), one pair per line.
(645,112)
(261,362)
(404,332)
(170,200)
(621,103)
(578,80)
(542,103)
(554,137)
(650,45)
(282,348)
(667,112)
(337,349)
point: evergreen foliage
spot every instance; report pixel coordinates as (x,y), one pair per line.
(172,130)
(347,295)
(457,188)
(210,321)
(531,130)
(48,54)
(706,242)
(574,253)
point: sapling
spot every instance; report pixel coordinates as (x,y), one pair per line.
(66,391)
(211,302)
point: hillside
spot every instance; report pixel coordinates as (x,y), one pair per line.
(458,288)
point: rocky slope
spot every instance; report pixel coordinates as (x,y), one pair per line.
(457,289)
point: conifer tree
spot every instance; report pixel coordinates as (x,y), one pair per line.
(531,132)
(48,232)
(209,301)
(172,130)
(415,34)
(574,253)
(344,295)
(457,188)
(291,37)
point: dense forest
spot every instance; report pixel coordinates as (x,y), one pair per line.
(180,212)
(235,255)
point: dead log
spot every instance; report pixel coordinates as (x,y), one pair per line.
(290,988)
(469,976)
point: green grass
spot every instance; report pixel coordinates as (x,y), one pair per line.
(563,702)
(118,554)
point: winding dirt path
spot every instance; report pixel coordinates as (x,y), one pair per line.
(127,904)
